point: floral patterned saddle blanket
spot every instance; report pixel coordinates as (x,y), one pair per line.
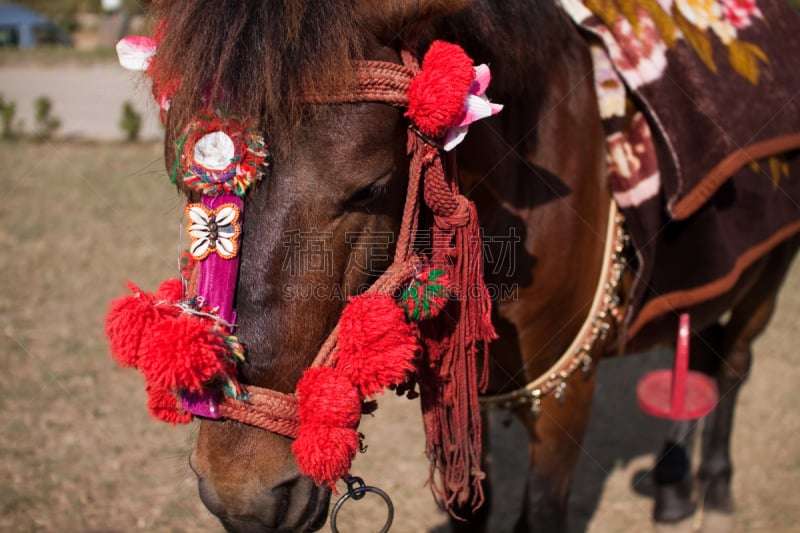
(700,101)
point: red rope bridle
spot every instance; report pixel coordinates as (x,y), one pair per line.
(450,390)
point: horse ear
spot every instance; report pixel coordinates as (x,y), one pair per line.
(390,20)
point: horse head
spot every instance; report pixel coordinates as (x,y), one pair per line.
(318,227)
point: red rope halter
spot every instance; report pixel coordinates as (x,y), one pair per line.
(446,370)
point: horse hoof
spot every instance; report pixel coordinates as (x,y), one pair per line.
(717,497)
(673,502)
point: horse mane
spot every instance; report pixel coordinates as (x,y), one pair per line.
(513,36)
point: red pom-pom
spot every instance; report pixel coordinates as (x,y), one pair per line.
(164,406)
(376,345)
(127,320)
(170,290)
(183,352)
(437,94)
(324,453)
(327,396)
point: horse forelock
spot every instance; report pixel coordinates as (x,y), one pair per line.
(254,57)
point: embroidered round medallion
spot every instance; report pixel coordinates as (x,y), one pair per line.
(220,155)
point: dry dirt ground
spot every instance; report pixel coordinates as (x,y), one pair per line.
(79,453)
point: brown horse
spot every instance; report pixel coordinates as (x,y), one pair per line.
(537,173)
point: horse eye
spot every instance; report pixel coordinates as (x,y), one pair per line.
(366,195)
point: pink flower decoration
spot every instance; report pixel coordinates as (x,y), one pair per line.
(135,52)
(476,107)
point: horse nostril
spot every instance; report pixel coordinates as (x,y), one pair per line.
(305,506)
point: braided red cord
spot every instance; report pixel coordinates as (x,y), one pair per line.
(268,409)
(377,81)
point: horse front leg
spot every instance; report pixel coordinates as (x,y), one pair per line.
(555,439)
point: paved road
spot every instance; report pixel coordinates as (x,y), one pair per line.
(87,98)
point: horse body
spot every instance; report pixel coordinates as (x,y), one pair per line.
(538,168)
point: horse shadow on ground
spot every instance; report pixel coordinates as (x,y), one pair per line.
(618,434)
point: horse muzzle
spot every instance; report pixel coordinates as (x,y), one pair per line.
(296,505)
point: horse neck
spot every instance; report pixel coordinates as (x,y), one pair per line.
(536,173)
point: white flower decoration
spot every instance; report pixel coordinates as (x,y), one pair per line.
(213,230)
(476,107)
(135,52)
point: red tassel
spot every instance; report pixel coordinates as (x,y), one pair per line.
(455,410)
(130,317)
(377,346)
(174,350)
(450,382)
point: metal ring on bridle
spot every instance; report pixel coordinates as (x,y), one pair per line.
(357,490)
